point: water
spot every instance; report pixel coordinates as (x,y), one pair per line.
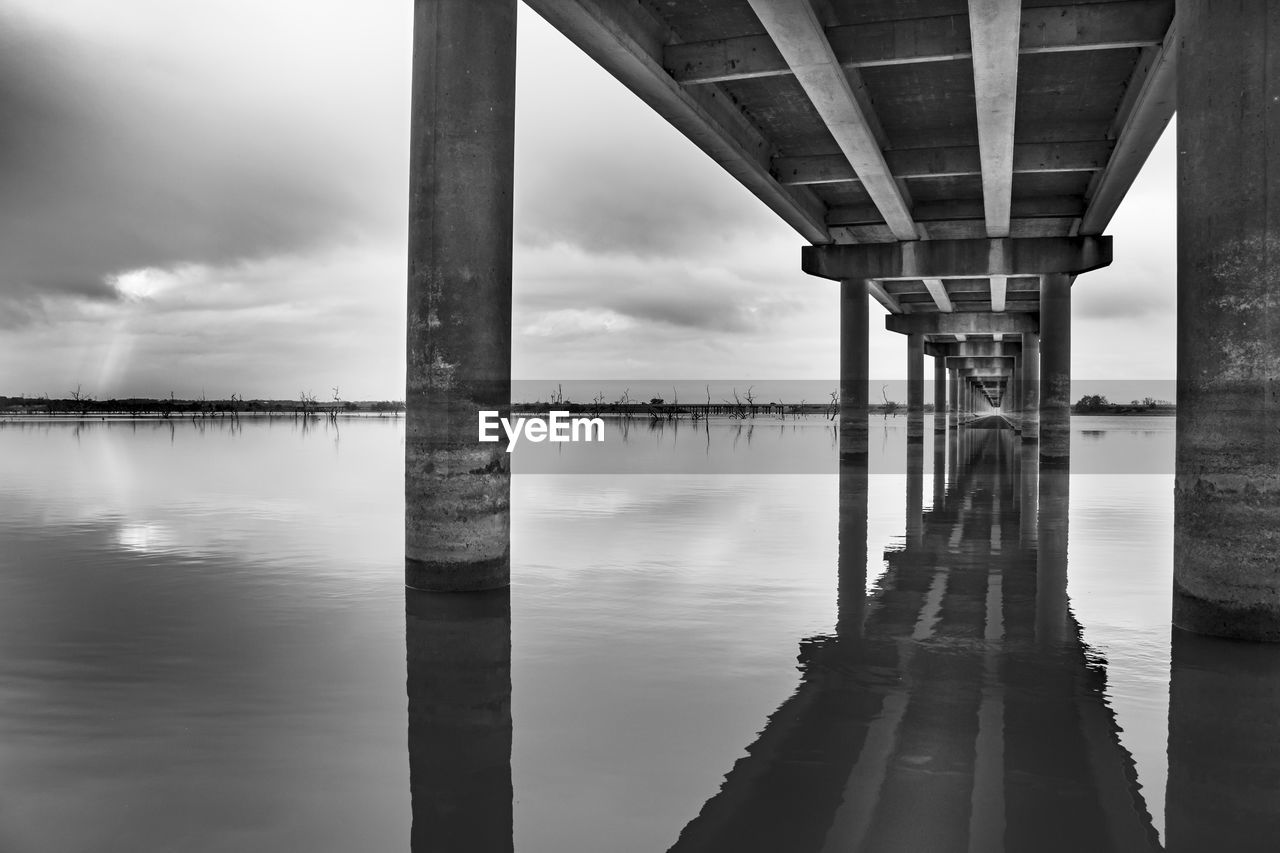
(204,639)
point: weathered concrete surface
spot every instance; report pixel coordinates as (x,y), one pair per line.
(915,387)
(939,394)
(1227,503)
(954,413)
(1055,369)
(958,258)
(459,690)
(855,360)
(462,147)
(961,324)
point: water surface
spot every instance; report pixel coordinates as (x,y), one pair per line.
(204,637)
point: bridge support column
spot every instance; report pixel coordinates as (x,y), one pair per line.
(915,387)
(1031,386)
(939,393)
(953,413)
(855,356)
(1227,500)
(1055,368)
(462,153)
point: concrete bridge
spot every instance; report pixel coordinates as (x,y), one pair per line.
(956,161)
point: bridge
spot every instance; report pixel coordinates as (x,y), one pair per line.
(956,161)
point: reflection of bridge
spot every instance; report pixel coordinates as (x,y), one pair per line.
(955,708)
(957,161)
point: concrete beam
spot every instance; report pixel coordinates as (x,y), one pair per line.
(948,162)
(627,42)
(794,27)
(1149,103)
(958,258)
(940,38)
(961,323)
(994,27)
(993,365)
(962,208)
(978,349)
(999,287)
(884,297)
(938,290)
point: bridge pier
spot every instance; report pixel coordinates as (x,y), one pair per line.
(1055,368)
(915,387)
(953,415)
(855,359)
(1031,386)
(462,154)
(1227,499)
(939,393)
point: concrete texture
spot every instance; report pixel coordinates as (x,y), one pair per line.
(462,146)
(1227,502)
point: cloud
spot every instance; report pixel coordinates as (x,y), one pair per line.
(126,148)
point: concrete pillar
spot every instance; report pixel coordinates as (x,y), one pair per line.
(1031,386)
(953,415)
(1055,368)
(940,392)
(459,686)
(1013,395)
(855,359)
(1227,500)
(915,387)
(461,164)
(1224,745)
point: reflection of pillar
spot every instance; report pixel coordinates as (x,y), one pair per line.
(1055,368)
(459,685)
(939,469)
(1227,505)
(915,493)
(1051,553)
(915,386)
(854,360)
(953,456)
(1031,385)
(1224,745)
(462,149)
(940,392)
(852,559)
(1029,492)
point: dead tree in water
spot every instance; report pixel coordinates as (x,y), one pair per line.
(83,401)
(834,408)
(890,406)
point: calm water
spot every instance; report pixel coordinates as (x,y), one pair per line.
(204,637)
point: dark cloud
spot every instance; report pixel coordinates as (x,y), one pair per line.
(113,160)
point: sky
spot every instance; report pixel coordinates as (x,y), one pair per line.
(211,199)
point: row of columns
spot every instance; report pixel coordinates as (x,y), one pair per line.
(1227,510)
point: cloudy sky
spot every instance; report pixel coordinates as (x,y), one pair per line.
(210,198)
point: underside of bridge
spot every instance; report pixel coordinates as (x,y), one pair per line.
(957,162)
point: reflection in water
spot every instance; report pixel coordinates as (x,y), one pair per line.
(459,686)
(1224,745)
(955,708)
